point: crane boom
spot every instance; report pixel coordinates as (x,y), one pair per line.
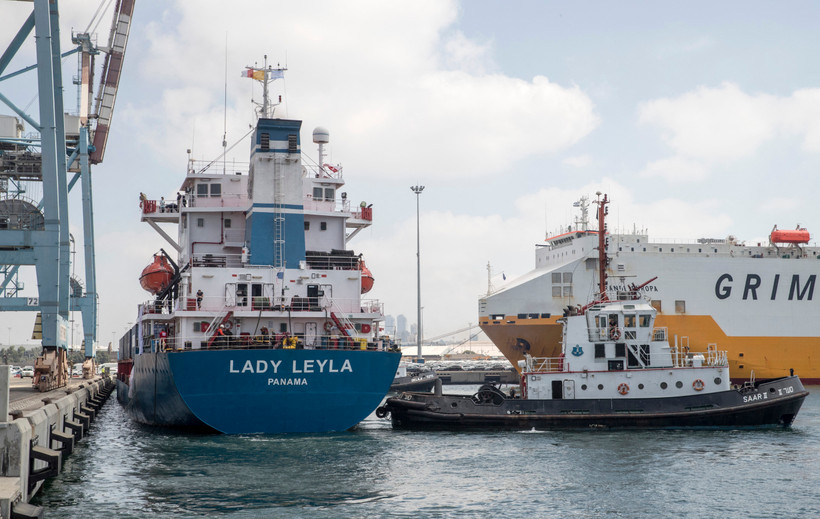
(110,77)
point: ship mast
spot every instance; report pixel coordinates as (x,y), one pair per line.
(603,259)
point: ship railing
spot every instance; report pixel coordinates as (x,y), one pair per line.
(360,212)
(224,200)
(545,364)
(219,260)
(618,333)
(241,303)
(217,167)
(266,341)
(683,358)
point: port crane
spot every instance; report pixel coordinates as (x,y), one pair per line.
(37,232)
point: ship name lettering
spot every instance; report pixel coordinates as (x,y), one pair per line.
(261,366)
(308,366)
(755,397)
(287,381)
(754,283)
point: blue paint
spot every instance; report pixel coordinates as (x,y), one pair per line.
(260,391)
(259,233)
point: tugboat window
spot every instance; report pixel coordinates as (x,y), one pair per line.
(216,190)
(600,386)
(202,190)
(644,321)
(629,321)
(323,226)
(583,387)
(200,222)
(717,381)
(678,384)
(227,223)
(620,349)
(663,385)
(640,386)
(600,351)
(616,365)
(330,194)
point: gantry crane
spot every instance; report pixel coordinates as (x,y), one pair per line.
(37,233)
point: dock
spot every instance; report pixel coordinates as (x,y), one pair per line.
(38,430)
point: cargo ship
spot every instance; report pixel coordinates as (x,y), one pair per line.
(755,300)
(257,321)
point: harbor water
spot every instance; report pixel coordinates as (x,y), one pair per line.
(126,470)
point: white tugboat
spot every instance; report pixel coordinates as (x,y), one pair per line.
(616,370)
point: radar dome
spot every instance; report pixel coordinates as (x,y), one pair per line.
(321,135)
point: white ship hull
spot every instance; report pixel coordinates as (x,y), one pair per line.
(757,302)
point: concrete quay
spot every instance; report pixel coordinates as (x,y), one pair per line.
(39,430)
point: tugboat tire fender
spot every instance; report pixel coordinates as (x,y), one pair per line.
(381,412)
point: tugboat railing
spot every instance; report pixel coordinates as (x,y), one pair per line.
(619,334)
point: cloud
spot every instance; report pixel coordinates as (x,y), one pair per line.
(419,87)
(714,124)
(580,161)
(675,169)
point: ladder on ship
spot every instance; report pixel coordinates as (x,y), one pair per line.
(338,318)
(278,214)
(218,321)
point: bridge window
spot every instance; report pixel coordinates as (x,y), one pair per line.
(227,223)
(216,190)
(330,194)
(600,351)
(644,321)
(202,190)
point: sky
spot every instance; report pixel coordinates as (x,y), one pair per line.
(699,119)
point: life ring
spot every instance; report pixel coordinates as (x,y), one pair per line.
(698,385)
(328,326)
(227,325)
(615,334)
(623,388)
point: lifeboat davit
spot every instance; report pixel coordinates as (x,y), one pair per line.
(799,235)
(367,277)
(157,276)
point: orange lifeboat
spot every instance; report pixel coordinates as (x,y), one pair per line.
(367,277)
(157,276)
(799,235)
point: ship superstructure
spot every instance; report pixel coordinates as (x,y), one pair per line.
(259,316)
(755,300)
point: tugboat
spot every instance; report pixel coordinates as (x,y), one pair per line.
(616,370)
(257,324)
(413,379)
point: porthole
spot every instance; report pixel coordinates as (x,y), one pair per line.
(600,386)
(678,384)
(717,381)
(640,386)
(583,387)
(454,404)
(663,385)
(772,390)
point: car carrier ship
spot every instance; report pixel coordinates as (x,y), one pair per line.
(758,301)
(257,324)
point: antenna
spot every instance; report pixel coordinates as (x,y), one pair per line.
(225,109)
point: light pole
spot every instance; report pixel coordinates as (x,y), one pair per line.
(417,190)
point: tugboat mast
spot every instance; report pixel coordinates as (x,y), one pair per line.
(603,259)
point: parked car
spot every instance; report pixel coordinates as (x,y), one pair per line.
(28,371)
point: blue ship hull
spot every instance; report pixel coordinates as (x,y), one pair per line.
(258,391)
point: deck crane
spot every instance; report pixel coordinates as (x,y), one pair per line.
(42,239)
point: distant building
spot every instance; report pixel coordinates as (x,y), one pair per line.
(390,325)
(401,328)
